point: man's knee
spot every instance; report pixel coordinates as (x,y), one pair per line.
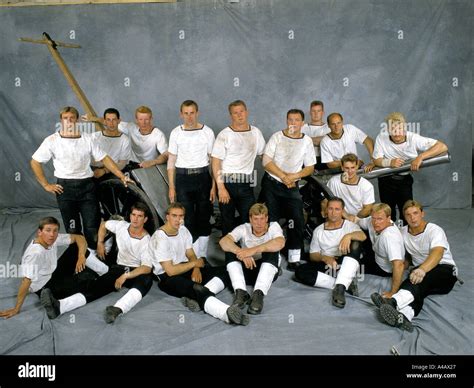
(355,250)
(306,275)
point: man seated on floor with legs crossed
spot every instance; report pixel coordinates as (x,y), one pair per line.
(255,261)
(181,274)
(384,252)
(131,270)
(335,240)
(42,269)
(435,271)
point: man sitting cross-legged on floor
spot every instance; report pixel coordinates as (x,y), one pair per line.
(132,269)
(332,241)
(180,273)
(255,261)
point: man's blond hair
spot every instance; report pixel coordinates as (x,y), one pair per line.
(143,109)
(382,207)
(258,209)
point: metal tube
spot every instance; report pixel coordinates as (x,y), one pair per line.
(378,172)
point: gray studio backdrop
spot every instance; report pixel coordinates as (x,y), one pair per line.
(363,58)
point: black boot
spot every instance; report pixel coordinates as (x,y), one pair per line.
(395,318)
(50,303)
(338,296)
(240,298)
(256,303)
(379,300)
(111,313)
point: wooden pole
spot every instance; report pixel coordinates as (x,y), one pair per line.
(52,47)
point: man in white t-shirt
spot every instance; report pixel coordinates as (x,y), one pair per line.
(190,183)
(71,152)
(115,143)
(357,192)
(181,274)
(233,159)
(435,271)
(288,157)
(342,140)
(316,129)
(335,240)
(148,143)
(393,148)
(384,252)
(41,268)
(255,261)
(131,270)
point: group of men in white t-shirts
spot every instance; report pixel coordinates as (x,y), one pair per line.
(202,168)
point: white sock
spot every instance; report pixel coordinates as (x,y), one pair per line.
(347,272)
(265,277)
(408,312)
(294,255)
(236,274)
(130,299)
(323,280)
(403,298)
(95,264)
(196,248)
(108,245)
(215,285)
(216,308)
(203,242)
(71,302)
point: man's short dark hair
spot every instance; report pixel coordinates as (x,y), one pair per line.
(332,115)
(188,103)
(140,206)
(337,199)
(48,221)
(112,111)
(316,103)
(295,112)
(237,103)
(349,158)
(175,205)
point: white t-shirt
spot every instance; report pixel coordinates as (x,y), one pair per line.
(145,147)
(165,248)
(131,250)
(71,155)
(117,147)
(414,143)
(387,246)
(420,245)
(290,154)
(326,241)
(332,150)
(355,195)
(192,146)
(243,234)
(238,149)
(315,131)
(38,263)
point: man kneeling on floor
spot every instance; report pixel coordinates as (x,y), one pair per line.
(131,270)
(42,269)
(181,274)
(255,262)
(332,241)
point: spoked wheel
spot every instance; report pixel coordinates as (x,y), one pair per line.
(116,199)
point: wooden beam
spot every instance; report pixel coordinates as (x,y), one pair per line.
(13,3)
